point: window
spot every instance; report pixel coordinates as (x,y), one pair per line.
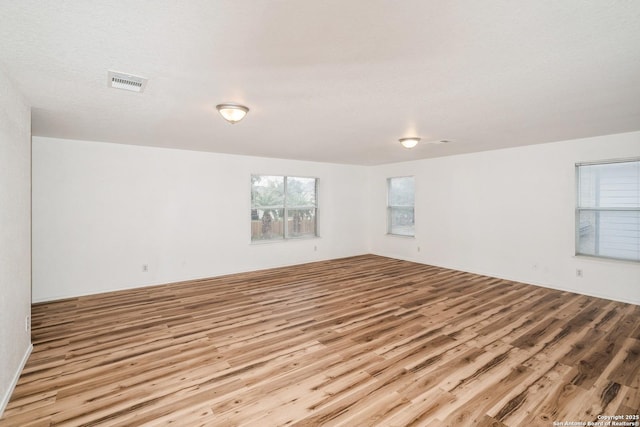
(400,206)
(283,207)
(608,210)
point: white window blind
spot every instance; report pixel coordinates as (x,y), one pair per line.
(608,210)
(400,206)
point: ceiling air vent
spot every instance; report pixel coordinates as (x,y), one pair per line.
(126,82)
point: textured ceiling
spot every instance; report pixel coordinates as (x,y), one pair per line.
(331,80)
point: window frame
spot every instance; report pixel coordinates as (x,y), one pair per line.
(391,207)
(285,208)
(579,209)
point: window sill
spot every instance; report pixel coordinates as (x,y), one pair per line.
(584,257)
(290,239)
(402,236)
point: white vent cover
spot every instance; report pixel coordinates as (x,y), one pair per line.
(125,81)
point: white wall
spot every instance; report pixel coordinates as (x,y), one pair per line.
(506,213)
(101,211)
(15,235)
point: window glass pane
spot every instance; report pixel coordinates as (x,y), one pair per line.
(609,185)
(401,221)
(609,210)
(301,222)
(301,191)
(267,191)
(401,191)
(267,224)
(587,233)
(620,234)
(400,202)
(275,215)
(612,234)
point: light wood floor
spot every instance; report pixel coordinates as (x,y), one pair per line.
(358,341)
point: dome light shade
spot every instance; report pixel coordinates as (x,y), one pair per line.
(409,142)
(232,113)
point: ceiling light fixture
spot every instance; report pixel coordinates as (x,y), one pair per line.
(232,113)
(409,142)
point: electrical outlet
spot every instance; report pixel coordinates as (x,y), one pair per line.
(418,248)
(315,248)
(578,272)
(27,323)
(145,268)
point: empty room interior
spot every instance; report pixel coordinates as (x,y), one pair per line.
(341,213)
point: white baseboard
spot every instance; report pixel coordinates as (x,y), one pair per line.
(14,382)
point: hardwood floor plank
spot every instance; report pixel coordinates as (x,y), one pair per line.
(423,410)
(366,341)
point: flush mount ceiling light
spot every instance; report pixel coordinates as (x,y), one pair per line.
(232,113)
(409,142)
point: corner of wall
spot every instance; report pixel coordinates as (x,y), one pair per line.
(15,235)
(4,400)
